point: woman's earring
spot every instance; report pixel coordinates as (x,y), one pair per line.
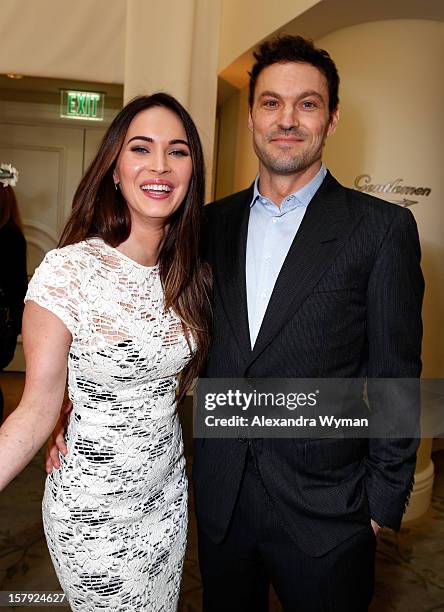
(116,186)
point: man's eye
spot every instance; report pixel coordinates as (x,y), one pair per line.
(308,104)
(270,103)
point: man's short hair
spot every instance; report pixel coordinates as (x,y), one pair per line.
(295,49)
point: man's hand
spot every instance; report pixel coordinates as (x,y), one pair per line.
(375,527)
(56,442)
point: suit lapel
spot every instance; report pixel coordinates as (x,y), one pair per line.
(230,274)
(324,229)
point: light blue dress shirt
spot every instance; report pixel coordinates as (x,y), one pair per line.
(271,231)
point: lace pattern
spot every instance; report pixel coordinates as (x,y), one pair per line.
(115,513)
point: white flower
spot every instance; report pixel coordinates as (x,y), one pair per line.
(8,175)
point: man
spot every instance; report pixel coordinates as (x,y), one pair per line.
(310,280)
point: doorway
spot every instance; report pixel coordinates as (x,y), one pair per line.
(51,154)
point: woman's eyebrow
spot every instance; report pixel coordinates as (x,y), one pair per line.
(148,139)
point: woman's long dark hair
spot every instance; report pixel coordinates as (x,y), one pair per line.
(100,210)
(9,210)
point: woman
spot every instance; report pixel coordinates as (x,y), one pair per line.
(13,275)
(122,307)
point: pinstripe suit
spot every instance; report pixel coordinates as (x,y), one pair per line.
(347,303)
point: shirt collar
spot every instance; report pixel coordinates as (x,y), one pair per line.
(303,196)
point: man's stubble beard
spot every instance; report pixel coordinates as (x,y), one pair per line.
(290,165)
(285,166)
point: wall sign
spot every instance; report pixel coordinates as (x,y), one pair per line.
(89,105)
(364,182)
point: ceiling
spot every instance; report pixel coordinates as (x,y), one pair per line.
(330,15)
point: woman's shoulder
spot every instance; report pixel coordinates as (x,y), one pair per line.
(72,260)
(58,282)
(70,254)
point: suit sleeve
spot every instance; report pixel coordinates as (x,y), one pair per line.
(394,302)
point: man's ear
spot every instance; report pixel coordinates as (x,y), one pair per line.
(334,118)
(250,120)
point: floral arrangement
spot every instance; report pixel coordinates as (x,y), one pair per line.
(8,175)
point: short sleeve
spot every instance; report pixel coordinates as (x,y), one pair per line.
(56,286)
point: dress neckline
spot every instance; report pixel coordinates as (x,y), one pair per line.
(121,255)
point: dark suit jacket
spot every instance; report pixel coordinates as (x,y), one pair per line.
(347,303)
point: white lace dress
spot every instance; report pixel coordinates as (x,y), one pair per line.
(115,513)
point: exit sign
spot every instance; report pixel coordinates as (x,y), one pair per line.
(82,105)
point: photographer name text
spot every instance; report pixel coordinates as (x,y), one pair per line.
(299,421)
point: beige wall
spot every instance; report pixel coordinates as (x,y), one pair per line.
(226,146)
(392,126)
(153,62)
(245,22)
(81,40)
(203,79)
(246,161)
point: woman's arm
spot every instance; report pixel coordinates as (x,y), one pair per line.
(46,342)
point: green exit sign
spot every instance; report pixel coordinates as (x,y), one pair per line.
(88,105)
